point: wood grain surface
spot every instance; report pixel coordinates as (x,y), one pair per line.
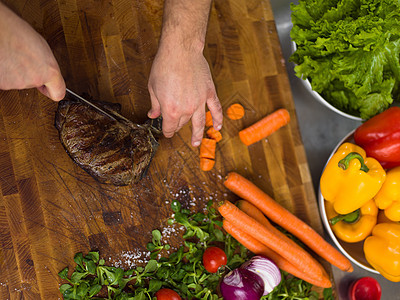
(50,208)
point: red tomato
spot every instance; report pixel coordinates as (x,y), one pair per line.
(213,258)
(167,294)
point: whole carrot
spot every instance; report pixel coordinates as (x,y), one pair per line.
(257,215)
(258,248)
(264,127)
(290,251)
(281,216)
(253,212)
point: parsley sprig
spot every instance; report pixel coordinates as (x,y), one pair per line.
(182,270)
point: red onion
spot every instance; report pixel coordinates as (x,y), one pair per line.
(242,284)
(266,269)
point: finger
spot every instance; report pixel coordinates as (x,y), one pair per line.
(169,125)
(198,123)
(215,108)
(54,89)
(155,110)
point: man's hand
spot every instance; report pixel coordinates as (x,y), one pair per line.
(180,87)
(26,60)
(180,82)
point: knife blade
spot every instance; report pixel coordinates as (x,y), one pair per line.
(113,115)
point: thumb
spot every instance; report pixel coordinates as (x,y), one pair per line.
(55,89)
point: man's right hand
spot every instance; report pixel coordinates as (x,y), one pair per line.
(26,60)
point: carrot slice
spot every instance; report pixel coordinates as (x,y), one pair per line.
(281,216)
(214,134)
(209,120)
(264,127)
(207,148)
(290,251)
(235,111)
(260,249)
(206,164)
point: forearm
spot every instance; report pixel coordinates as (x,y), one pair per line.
(185,24)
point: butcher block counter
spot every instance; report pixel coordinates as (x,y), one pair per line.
(51,209)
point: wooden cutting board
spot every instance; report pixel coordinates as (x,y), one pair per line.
(50,208)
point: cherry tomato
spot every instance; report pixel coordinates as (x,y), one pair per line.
(213,258)
(167,294)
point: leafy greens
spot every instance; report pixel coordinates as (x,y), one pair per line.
(349,50)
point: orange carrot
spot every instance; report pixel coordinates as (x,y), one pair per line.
(214,134)
(264,127)
(206,164)
(209,120)
(253,212)
(235,111)
(207,148)
(257,215)
(281,216)
(260,249)
(292,252)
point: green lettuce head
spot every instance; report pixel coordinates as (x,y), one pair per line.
(349,51)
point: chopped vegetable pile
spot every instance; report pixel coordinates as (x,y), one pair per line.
(349,51)
(182,271)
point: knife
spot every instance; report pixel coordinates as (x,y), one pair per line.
(113,115)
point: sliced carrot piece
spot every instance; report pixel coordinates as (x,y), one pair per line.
(207,148)
(209,120)
(206,164)
(235,111)
(214,134)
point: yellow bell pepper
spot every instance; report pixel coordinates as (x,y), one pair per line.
(353,227)
(350,179)
(388,197)
(382,250)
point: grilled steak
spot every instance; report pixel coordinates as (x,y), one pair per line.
(116,152)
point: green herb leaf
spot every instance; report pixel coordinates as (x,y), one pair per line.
(64,273)
(154,285)
(151,266)
(156,237)
(175,206)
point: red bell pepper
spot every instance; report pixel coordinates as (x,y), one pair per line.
(380,137)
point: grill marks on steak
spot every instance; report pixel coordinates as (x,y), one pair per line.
(116,152)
